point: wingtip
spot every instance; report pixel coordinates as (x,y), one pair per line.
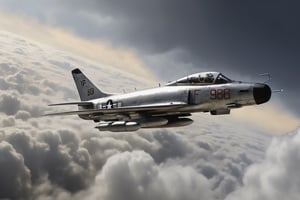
(54,104)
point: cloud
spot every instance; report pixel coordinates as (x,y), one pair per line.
(24,115)
(9,104)
(15,176)
(276,177)
(94,50)
(54,156)
(267,117)
(32,151)
(10,121)
(61,163)
(135,175)
(66,158)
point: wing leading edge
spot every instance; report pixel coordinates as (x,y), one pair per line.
(81,103)
(141,108)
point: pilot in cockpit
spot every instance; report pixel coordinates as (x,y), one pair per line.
(206,78)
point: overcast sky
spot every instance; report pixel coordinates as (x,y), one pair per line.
(176,38)
(216,157)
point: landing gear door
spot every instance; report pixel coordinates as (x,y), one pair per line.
(194,97)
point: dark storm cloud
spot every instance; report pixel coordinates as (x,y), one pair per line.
(243,38)
(240,37)
(15,176)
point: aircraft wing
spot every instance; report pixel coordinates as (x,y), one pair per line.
(80,103)
(128,109)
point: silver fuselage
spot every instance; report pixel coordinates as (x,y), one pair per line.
(198,99)
(163,107)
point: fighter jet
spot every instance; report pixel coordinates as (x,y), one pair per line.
(170,105)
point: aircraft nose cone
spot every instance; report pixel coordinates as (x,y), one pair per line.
(262,93)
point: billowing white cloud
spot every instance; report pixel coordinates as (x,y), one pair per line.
(277,176)
(65,158)
(135,175)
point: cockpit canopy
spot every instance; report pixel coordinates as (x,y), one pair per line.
(204,78)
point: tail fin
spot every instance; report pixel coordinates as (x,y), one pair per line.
(86,89)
